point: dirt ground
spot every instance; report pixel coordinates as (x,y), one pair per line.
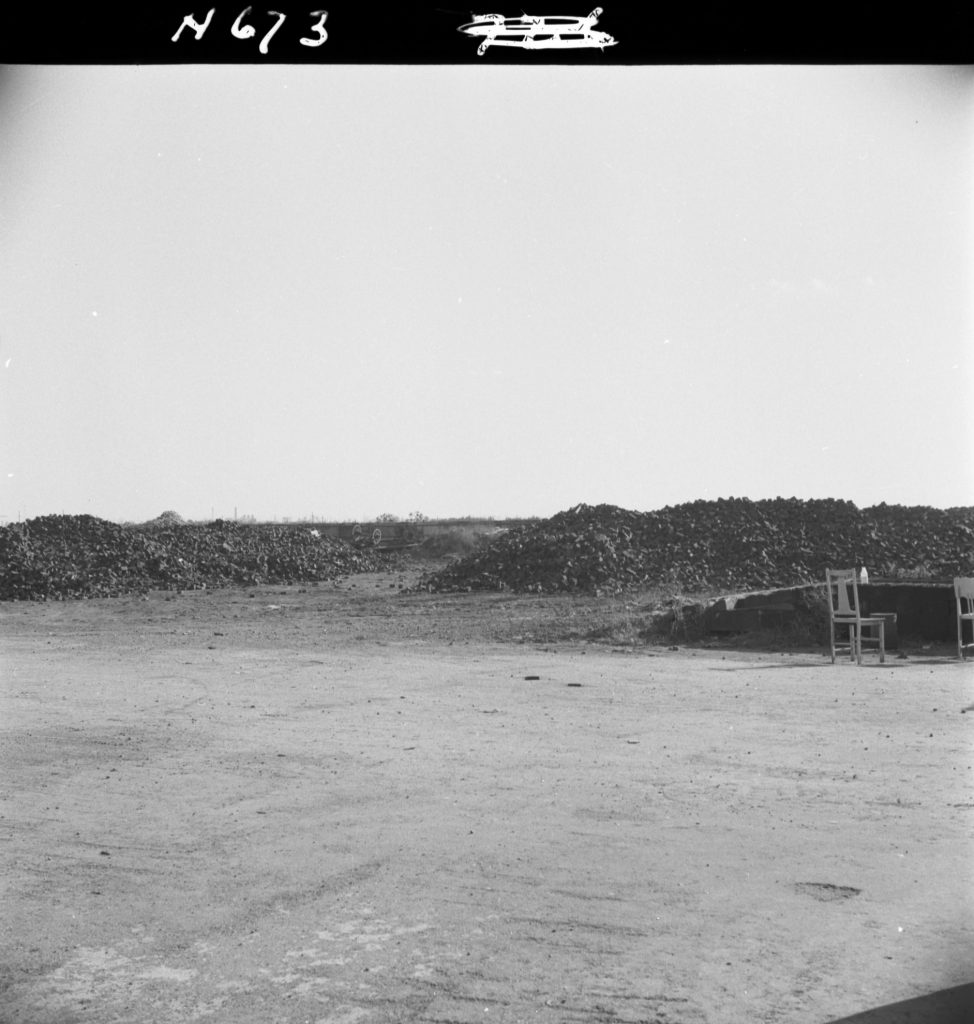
(342,805)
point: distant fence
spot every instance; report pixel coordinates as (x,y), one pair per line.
(427,528)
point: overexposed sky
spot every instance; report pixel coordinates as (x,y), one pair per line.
(345,291)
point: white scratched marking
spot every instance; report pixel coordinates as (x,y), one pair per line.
(531,32)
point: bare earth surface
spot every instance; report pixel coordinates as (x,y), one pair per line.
(340,805)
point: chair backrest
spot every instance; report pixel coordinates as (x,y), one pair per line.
(838,583)
(964,592)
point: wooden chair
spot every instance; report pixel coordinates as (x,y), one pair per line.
(964,593)
(839,584)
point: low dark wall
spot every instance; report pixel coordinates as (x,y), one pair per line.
(926,610)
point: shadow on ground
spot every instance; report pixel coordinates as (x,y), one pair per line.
(948,1006)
